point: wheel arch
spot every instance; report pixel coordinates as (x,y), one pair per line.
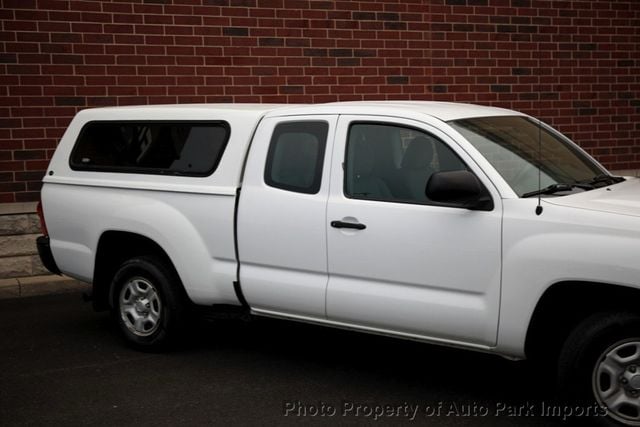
(115,247)
(564,305)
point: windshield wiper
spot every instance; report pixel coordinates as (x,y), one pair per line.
(551,189)
(585,185)
(603,179)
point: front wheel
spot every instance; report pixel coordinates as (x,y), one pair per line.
(600,364)
(148,305)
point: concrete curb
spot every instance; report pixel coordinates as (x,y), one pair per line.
(39,285)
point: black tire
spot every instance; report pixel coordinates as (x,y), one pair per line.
(148,304)
(590,348)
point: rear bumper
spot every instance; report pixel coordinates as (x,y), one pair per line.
(44,250)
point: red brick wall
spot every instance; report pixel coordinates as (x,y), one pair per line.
(573,63)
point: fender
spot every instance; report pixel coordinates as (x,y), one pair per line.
(177,225)
(539,253)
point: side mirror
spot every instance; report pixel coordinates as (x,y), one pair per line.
(459,188)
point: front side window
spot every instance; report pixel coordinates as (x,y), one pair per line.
(296,156)
(393,163)
(191,149)
(521,151)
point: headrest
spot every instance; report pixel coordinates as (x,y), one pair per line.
(419,153)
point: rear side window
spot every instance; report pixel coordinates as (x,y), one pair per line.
(181,148)
(296,155)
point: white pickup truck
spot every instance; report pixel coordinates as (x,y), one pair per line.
(454,224)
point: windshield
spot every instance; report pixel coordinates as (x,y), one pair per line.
(516,147)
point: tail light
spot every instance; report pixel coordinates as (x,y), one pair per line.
(43,225)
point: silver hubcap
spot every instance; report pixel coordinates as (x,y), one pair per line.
(616,381)
(140,307)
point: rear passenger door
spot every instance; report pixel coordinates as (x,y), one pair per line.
(282,236)
(398,262)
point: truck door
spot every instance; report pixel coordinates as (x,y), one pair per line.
(282,238)
(397,262)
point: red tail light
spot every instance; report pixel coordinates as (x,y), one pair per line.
(43,225)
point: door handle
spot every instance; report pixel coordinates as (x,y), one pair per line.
(342,224)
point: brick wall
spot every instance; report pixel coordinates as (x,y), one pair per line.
(573,63)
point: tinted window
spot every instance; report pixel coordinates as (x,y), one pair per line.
(393,163)
(172,148)
(296,155)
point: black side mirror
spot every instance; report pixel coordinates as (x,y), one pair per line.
(459,188)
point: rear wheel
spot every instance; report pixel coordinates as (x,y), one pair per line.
(600,364)
(148,304)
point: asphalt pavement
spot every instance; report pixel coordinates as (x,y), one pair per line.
(63,364)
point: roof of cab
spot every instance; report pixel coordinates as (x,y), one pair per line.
(444,111)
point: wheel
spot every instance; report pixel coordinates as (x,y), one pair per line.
(148,304)
(600,364)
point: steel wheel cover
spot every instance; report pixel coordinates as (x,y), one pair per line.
(616,381)
(140,306)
